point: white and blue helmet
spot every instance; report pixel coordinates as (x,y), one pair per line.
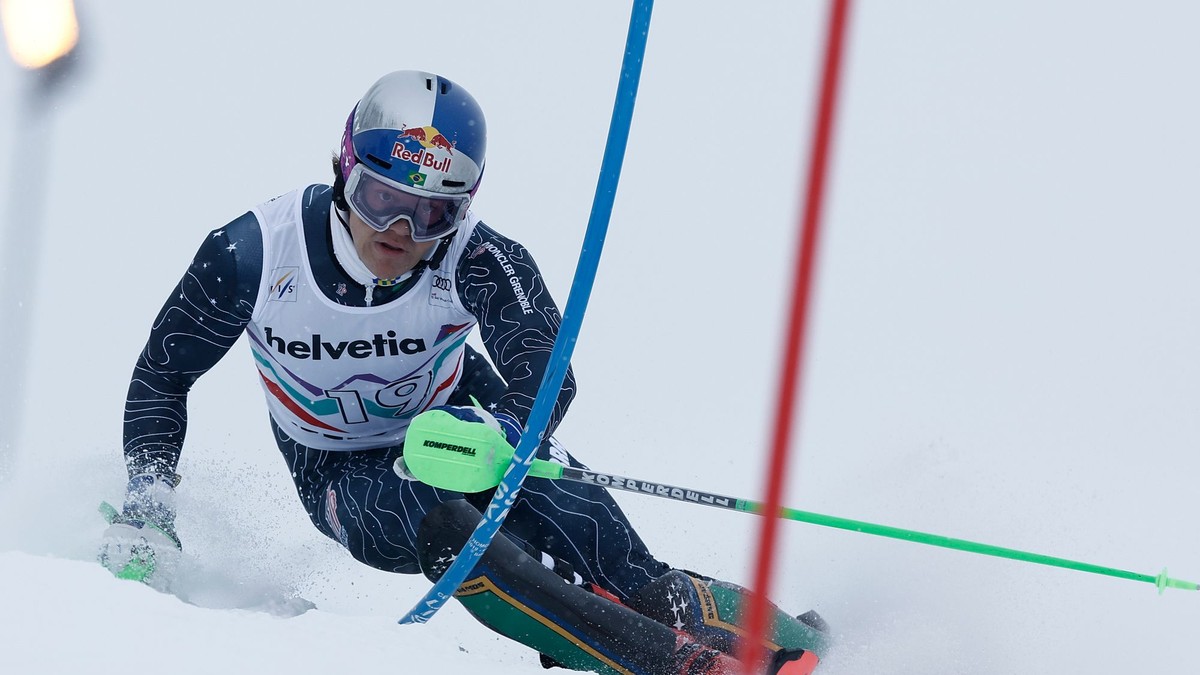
(421,136)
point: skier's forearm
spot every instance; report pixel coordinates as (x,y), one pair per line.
(155,420)
(201,319)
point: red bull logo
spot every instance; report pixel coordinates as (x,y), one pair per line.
(429,138)
(422,158)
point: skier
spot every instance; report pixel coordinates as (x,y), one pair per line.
(357,300)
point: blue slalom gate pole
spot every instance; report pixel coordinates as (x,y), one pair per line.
(568,333)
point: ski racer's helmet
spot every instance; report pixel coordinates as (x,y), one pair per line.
(413,149)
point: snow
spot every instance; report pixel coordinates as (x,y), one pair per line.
(1005,330)
(85,623)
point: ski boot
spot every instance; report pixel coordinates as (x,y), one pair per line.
(710,610)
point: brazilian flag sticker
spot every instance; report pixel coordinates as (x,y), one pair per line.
(416,178)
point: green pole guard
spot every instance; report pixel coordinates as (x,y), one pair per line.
(442,451)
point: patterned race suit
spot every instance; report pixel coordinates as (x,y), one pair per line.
(344,371)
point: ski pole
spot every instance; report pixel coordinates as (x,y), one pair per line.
(442,452)
(514,472)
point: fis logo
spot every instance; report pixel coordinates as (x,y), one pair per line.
(283,285)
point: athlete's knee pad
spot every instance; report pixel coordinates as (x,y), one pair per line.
(712,610)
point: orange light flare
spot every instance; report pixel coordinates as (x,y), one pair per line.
(39,32)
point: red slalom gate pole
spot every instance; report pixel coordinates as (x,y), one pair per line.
(793,357)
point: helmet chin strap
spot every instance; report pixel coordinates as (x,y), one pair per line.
(347,257)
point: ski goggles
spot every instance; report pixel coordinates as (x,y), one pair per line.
(380,202)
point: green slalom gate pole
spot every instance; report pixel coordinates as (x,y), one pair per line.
(441,451)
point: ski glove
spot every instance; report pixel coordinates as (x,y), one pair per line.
(502,422)
(140,542)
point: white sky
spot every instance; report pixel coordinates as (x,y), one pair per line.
(1006,328)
